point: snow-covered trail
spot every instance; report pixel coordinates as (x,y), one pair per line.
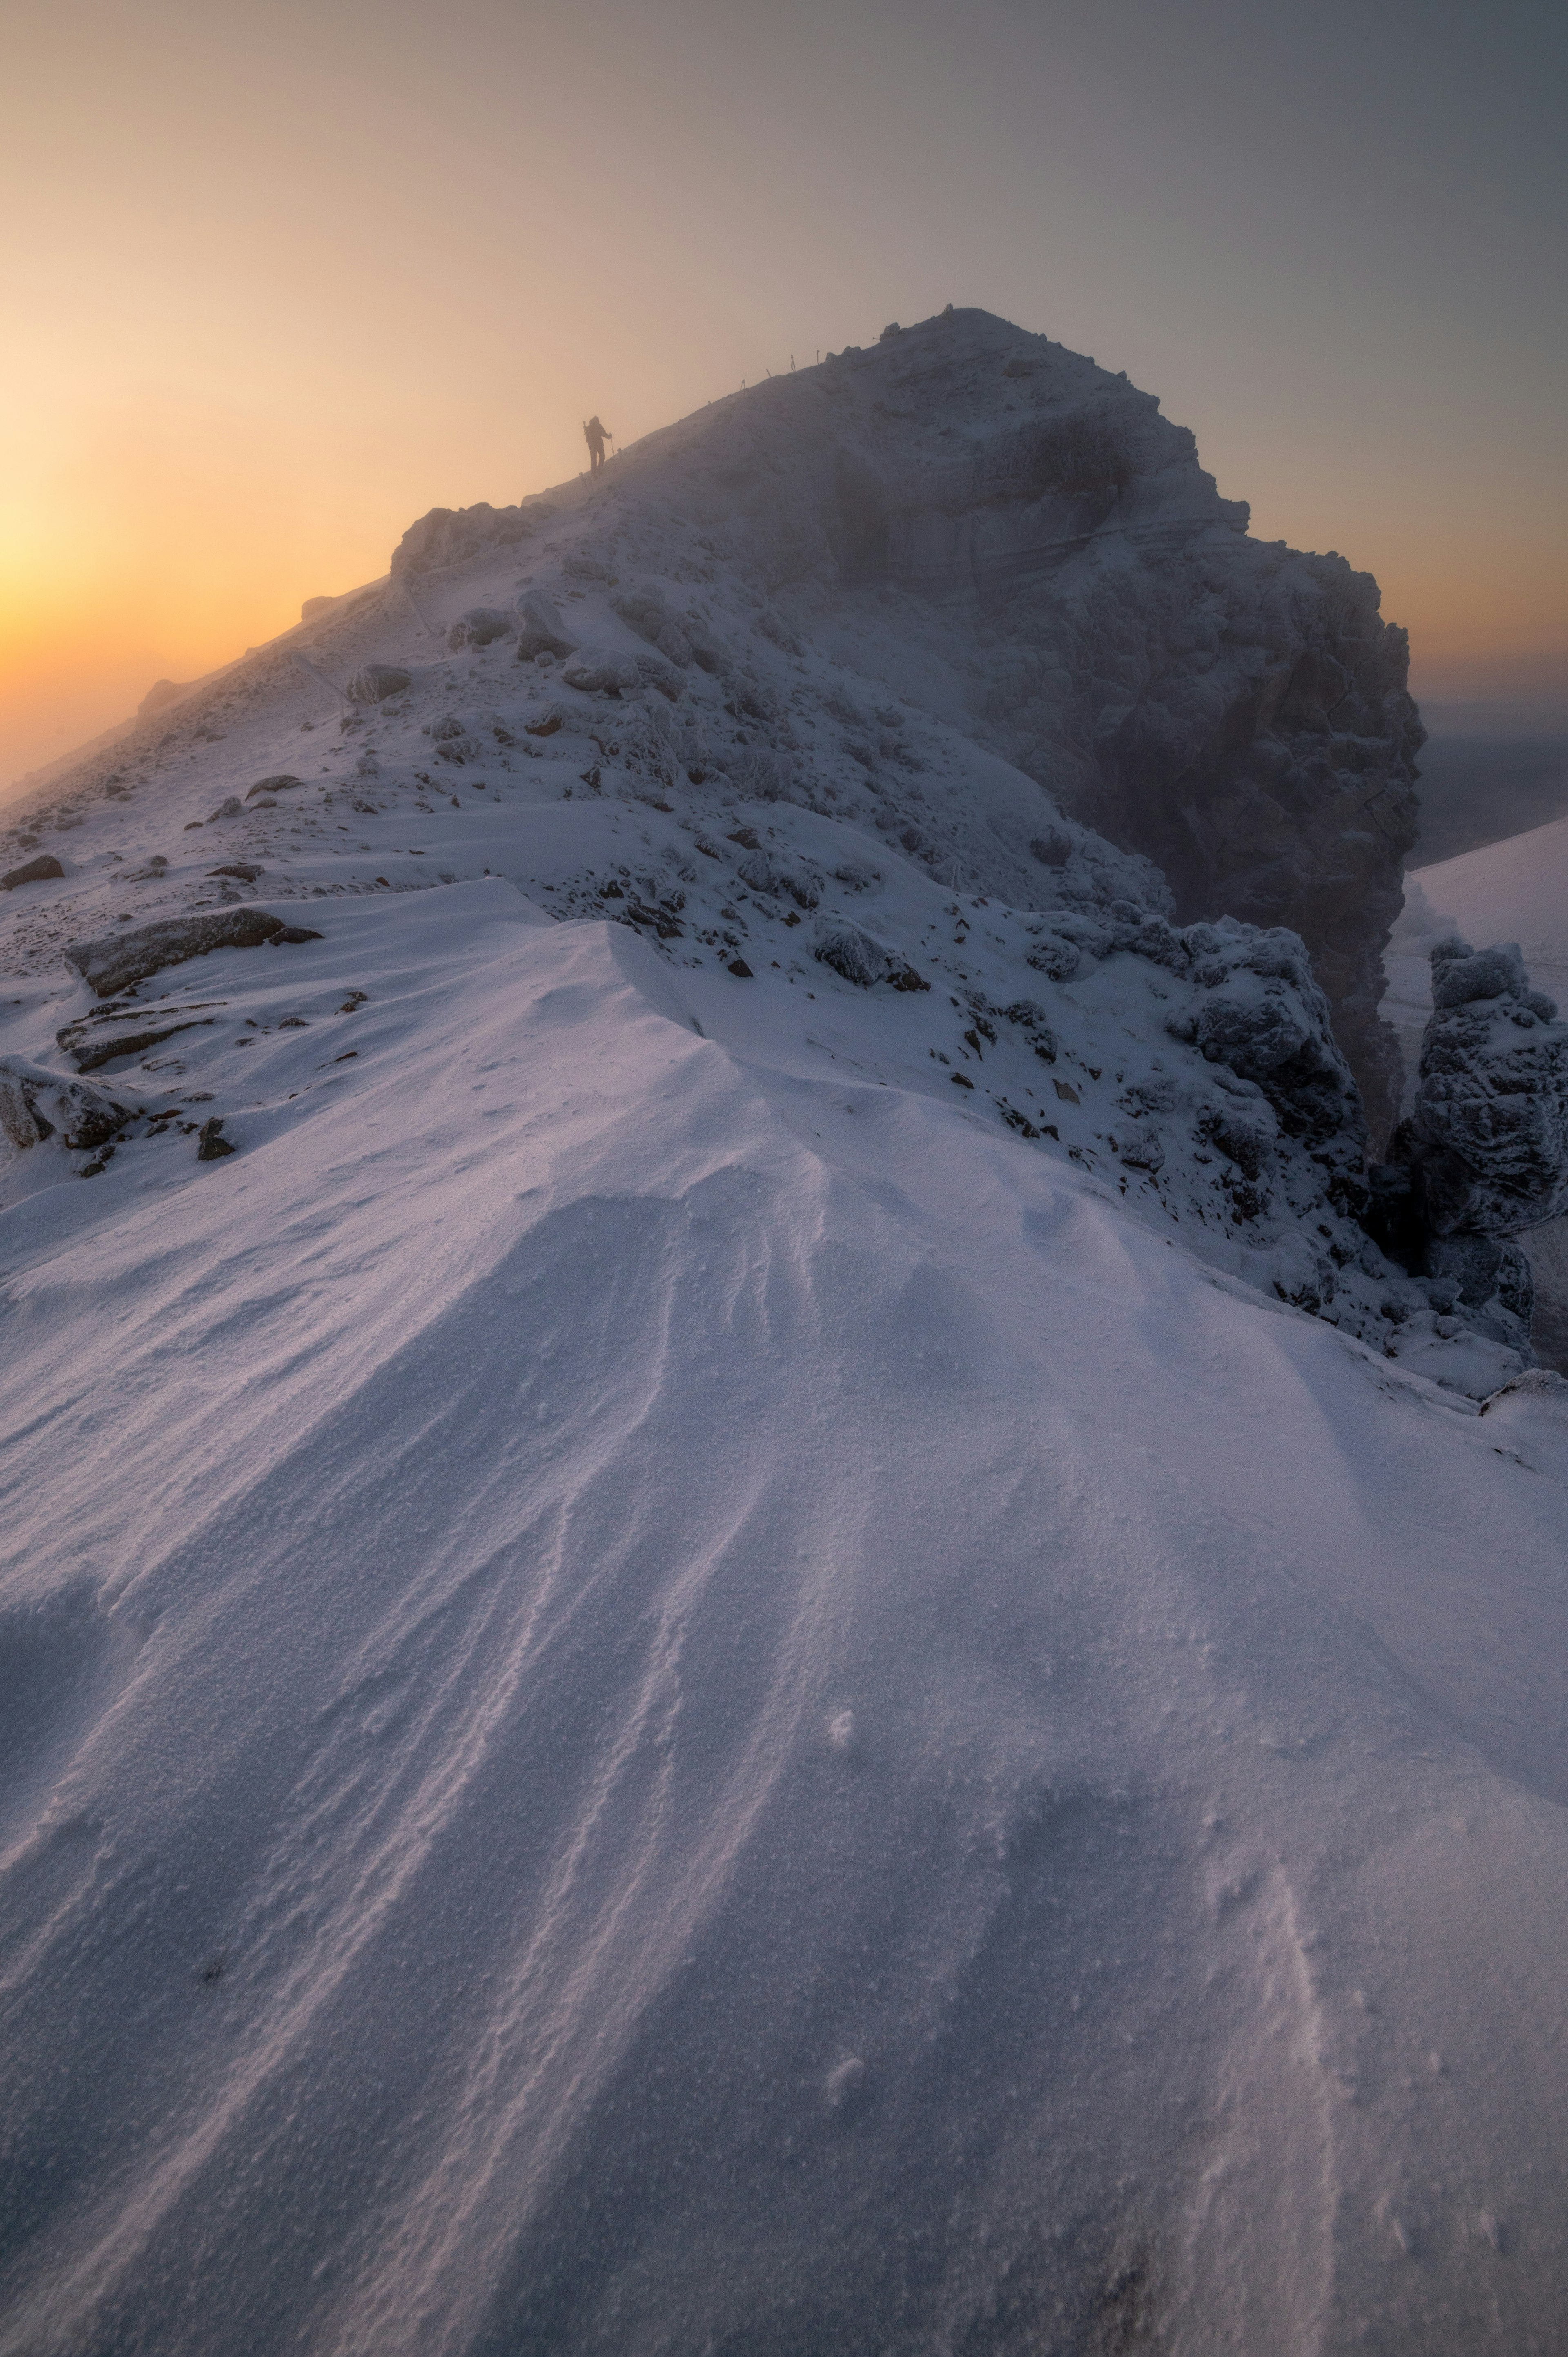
(656,1703)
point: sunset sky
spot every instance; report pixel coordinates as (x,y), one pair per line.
(280,278)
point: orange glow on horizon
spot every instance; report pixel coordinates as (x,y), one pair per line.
(282,281)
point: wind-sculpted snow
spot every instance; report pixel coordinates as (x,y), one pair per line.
(709,1704)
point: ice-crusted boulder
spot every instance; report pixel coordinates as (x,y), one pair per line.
(374,682)
(34,1103)
(1068,586)
(482,626)
(541,631)
(1486,1142)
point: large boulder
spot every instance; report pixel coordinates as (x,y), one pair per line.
(541,631)
(36,1105)
(115,962)
(482,626)
(34,871)
(596,672)
(449,536)
(1487,1140)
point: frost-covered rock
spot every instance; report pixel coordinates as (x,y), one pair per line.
(118,961)
(1489,1279)
(855,955)
(34,1103)
(377,682)
(596,672)
(482,626)
(450,536)
(541,631)
(1486,1142)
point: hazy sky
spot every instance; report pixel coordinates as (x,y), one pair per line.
(278,278)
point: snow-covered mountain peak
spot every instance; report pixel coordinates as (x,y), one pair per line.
(737,1614)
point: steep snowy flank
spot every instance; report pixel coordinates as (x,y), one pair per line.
(737,1614)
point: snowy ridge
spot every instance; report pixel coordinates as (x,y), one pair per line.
(665,1685)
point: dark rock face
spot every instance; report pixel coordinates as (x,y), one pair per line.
(34,871)
(1268,1020)
(1094,612)
(117,961)
(1486,1142)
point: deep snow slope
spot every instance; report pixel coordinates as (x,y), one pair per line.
(655,1701)
(796,1659)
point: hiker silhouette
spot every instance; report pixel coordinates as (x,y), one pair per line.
(595,435)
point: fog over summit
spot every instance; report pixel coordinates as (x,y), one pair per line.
(761,1592)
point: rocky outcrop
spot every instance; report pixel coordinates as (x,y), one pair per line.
(482,626)
(32,871)
(1487,1141)
(541,631)
(116,962)
(1072,590)
(449,536)
(36,1103)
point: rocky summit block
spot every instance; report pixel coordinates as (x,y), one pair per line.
(117,961)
